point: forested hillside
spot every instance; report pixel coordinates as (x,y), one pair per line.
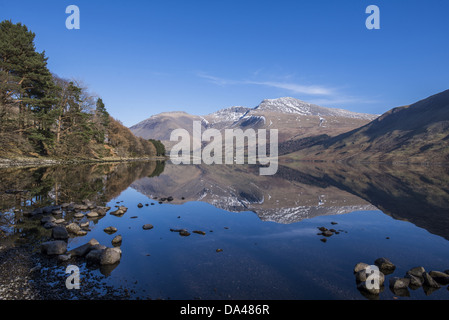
(43,115)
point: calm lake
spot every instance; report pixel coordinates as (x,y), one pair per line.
(259,234)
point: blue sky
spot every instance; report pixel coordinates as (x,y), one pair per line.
(147,57)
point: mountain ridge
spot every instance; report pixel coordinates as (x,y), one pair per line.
(413,133)
(292,118)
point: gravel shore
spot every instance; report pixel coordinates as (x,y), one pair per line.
(28,275)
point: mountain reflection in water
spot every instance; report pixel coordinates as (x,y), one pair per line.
(418,194)
(257,235)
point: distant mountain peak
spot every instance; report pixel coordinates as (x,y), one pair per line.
(171,113)
(291,116)
(296,106)
(285,105)
(285,100)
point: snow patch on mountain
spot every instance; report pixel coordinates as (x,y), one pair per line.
(231,114)
(299,107)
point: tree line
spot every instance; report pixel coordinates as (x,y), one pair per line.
(42,114)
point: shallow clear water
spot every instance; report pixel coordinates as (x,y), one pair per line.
(260,260)
(265,255)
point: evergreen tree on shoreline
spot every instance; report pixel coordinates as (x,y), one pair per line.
(43,114)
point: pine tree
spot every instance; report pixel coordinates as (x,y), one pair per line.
(25,82)
(40,112)
(103,120)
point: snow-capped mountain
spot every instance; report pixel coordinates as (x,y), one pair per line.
(226,117)
(293,118)
(295,106)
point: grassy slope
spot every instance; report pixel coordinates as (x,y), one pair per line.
(416,133)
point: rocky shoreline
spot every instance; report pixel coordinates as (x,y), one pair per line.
(38,162)
(36,270)
(28,275)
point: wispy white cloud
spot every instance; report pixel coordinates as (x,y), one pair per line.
(216,80)
(289,86)
(296,88)
(319,94)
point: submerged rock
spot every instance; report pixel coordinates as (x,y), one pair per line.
(73,228)
(118,213)
(59,233)
(94,256)
(415,282)
(54,247)
(371,292)
(85,225)
(110,256)
(399,283)
(403,292)
(102,210)
(385,265)
(47,219)
(92,214)
(360,276)
(110,230)
(417,272)
(81,207)
(147,226)
(429,290)
(117,240)
(199,232)
(84,249)
(429,281)
(368,275)
(360,266)
(182,232)
(440,277)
